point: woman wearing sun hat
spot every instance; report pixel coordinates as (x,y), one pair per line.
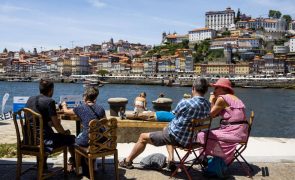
(233,125)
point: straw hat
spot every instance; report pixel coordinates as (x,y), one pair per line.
(224,83)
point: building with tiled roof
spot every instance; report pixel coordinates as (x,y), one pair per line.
(220,19)
(269,25)
(197,35)
(292,44)
(175,38)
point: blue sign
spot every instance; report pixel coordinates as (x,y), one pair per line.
(19,102)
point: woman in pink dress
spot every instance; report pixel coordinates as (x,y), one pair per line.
(233,128)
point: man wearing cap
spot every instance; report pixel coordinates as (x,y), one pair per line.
(233,128)
(177,133)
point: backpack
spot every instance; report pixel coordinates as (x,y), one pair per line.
(216,167)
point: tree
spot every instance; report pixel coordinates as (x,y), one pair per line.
(102,72)
(288,18)
(274,14)
(238,18)
(5,50)
(185,43)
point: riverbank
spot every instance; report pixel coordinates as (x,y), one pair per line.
(287,83)
(248,82)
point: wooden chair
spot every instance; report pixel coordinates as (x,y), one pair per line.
(242,147)
(101,144)
(198,125)
(30,141)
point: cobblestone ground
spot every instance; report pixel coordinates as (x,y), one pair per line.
(271,171)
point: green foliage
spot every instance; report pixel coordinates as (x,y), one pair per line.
(7,150)
(288,18)
(102,72)
(279,41)
(5,50)
(274,14)
(166,50)
(226,33)
(238,18)
(185,43)
(215,53)
(201,50)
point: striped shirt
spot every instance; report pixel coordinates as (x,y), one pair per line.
(186,110)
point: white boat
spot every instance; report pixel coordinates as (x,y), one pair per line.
(92,83)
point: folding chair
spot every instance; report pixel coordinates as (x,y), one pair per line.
(242,146)
(198,125)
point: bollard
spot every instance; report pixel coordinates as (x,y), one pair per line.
(116,104)
(162,104)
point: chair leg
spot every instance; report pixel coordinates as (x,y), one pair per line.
(116,165)
(19,165)
(91,170)
(181,165)
(40,167)
(65,151)
(78,162)
(102,163)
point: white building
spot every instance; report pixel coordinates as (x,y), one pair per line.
(269,25)
(242,44)
(292,44)
(220,19)
(201,34)
(280,49)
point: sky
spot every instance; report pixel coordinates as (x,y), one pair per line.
(55,24)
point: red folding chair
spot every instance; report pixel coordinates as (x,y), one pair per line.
(242,147)
(197,126)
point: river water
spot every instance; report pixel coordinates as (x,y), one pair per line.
(274,108)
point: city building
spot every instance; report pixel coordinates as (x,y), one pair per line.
(80,64)
(174,38)
(201,34)
(220,19)
(189,64)
(292,44)
(280,49)
(222,69)
(241,44)
(268,24)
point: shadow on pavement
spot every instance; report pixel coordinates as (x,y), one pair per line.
(3,123)
(236,169)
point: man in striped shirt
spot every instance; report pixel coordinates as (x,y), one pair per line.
(177,133)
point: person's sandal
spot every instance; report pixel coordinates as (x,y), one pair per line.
(171,166)
(127,165)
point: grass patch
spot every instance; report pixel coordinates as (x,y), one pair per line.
(9,151)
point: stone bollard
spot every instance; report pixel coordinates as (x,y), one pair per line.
(162,104)
(116,104)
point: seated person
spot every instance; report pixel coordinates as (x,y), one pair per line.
(161,116)
(233,127)
(87,111)
(140,103)
(45,105)
(178,131)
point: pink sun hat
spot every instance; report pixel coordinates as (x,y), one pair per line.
(224,83)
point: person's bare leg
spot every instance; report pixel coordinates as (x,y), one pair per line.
(139,147)
(170,153)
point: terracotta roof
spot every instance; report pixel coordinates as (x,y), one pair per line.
(200,29)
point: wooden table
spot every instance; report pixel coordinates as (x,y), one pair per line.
(124,126)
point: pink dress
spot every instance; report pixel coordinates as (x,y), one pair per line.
(222,141)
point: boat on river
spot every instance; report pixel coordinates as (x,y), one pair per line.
(92,83)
